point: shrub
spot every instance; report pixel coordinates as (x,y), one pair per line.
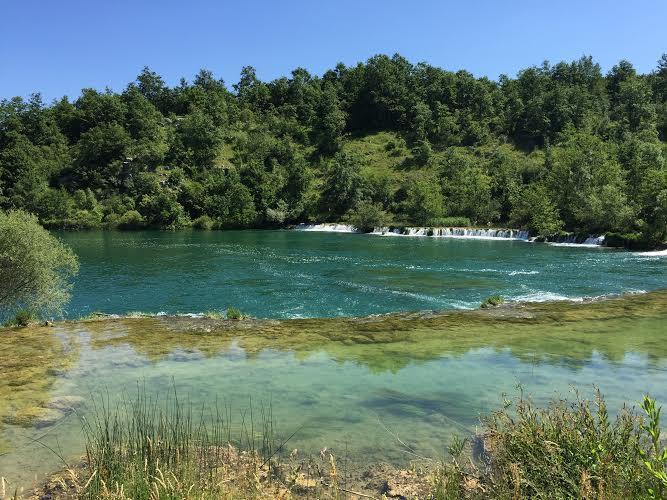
(234,313)
(632,241)
(655,458)
(279,214)
(366,216)
(203,222)
(131,220)
(567,450)
(22,318)
(423,199)
(492,301)
(422,153)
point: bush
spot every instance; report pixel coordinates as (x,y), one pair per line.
(450,222)
(203,222)
(422,153)
(567,451)
(366,216)
(279,214)
(234,313)
(492,301)
(631,241)
(131,220)
(22,318)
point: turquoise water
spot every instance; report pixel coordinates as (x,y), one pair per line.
(289,274)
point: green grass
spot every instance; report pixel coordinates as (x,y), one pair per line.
(382,153)
(566,450)
(234,313)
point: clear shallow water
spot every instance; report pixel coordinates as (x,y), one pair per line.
(347,384)
(290,274)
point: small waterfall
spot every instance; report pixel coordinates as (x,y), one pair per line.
(594,240)
(327,228)
(454,232)
(575,240)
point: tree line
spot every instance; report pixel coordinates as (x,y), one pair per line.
(559,147)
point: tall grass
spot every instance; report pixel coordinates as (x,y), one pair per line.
(156,447)
(566,450)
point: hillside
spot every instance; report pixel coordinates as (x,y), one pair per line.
(556,148)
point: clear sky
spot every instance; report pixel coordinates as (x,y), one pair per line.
(58,47)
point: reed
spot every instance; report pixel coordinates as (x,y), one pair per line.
(158,446)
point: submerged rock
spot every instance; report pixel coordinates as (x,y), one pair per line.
(34,416)
(65,404)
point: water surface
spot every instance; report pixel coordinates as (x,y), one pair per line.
(289,274)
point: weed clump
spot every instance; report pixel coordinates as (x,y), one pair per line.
(492,301)
(22,318)
(234,313)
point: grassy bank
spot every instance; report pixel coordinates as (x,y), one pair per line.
(151,448)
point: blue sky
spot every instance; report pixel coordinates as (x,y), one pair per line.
(58,47)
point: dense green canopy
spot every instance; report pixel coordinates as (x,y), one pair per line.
(557,147)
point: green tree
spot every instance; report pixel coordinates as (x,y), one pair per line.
(35,267)
(342,184)
(330,123)
(587,183)
(423,201)
(533,209)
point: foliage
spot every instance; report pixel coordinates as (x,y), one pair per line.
(23,317)
(35,267)
(203,222)
(423,200)
(534,210)
(492,301)
(655,458)
(565,450)
(450,222)
(366,216)
(558,146)
(131,220)
(342,184)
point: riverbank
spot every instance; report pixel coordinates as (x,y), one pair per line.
(518,451)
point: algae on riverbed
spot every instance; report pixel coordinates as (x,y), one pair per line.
(345,383)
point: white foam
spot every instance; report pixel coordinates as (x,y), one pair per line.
(575,245)
(455,232)
(327,228)
(545,297)
(654,253)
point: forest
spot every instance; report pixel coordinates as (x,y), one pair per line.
(556,148)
